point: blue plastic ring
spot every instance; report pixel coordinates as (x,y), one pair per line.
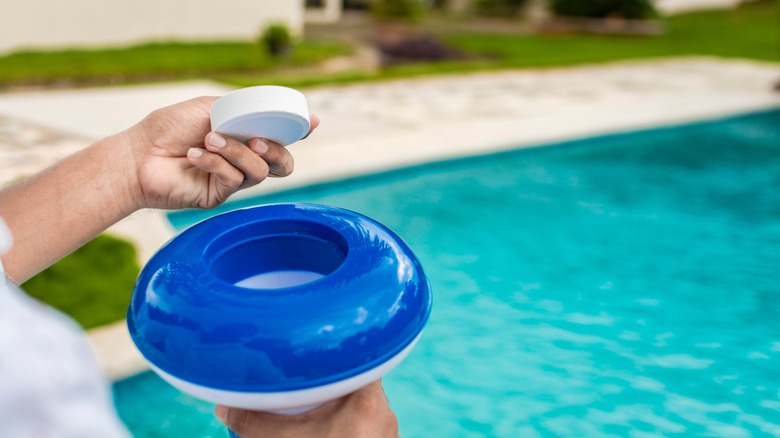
(190,319)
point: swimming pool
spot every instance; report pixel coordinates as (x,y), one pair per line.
(621,285)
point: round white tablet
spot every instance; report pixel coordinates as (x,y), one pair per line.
(275,113)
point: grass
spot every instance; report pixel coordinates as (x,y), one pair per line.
(93,285)
(750,32)
(155,62)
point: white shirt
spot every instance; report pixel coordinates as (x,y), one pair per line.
(50,383)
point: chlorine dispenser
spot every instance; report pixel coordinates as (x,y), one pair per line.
(279,308)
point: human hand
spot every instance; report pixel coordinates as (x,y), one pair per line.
(168,160)
(363,414)
(179,163)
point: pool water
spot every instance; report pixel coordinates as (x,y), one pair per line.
(624,285)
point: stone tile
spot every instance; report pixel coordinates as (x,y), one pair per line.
(26,148)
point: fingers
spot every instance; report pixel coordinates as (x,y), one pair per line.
(237,420)
(222,179)
(251,424)
(364,413)
(232,166)
(314,122)
(279,159)
(253,167)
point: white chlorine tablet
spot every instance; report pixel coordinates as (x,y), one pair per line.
(275,113)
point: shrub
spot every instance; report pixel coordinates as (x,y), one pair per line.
(629,9)
(498,7)
(397,10)
(276,39)
(416,48)
(93,284)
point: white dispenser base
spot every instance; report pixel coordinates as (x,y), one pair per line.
(287,402)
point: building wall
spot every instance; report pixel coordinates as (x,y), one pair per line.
(681,6)
(44,24)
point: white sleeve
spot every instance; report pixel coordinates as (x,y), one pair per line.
(50,384)
(5,243)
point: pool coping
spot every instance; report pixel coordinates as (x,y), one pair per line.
(333,157)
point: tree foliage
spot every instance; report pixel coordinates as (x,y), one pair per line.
(498,7)
(629,9)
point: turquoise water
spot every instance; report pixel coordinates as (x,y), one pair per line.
(626,285)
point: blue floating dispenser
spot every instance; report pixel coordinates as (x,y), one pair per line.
(279,308)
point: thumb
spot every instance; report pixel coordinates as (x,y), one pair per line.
(236,420)
(221,412)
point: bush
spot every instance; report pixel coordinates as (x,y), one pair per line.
(397,10)
(629,9)
(276,39)
(416,48)
(93,284)
(359,5)
(498,7)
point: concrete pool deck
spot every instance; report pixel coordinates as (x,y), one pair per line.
(368,128)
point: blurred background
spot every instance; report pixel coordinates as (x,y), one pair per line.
(323,42)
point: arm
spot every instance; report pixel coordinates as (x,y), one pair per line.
(168,160)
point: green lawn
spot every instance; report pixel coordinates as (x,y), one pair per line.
(155,62)
(93,285)
(750,32)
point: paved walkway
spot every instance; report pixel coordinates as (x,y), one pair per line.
(372,127)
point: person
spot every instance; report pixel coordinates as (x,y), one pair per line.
(50,385)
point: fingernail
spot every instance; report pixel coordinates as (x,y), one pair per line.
(259,146)
(194,152)
(221,412)
(217,141)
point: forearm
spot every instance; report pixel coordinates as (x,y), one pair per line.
(56,211)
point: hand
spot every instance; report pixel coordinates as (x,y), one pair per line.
(362,414)
(168,160)
(181,164)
